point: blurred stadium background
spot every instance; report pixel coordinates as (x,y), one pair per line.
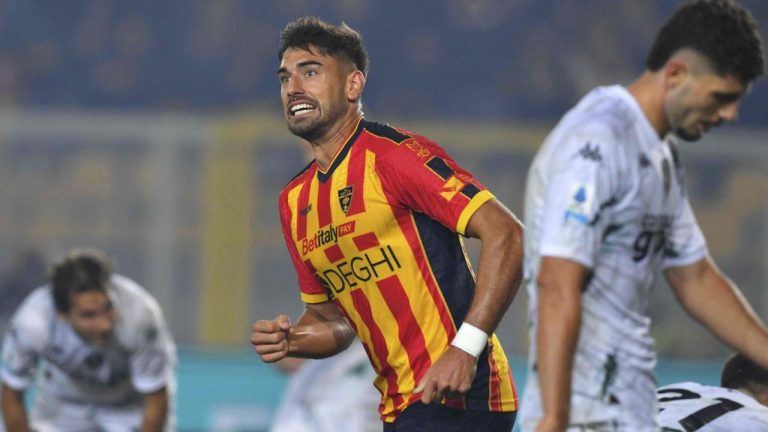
(152,130)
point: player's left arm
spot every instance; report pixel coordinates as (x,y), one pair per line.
(500,266)
(14,414)
(498,279)
(155,411)
(716,302)
(153,362)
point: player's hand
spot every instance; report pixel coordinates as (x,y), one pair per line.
(450,376)
(270,338)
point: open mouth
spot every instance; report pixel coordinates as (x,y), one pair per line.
(301,109)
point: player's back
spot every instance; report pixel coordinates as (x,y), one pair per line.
(691,406)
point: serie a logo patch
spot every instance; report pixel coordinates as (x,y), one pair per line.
(345,198)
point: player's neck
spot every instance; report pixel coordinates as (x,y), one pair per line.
(326,148)
(649,94)
(758,396)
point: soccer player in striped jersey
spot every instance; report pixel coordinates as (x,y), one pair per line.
(739,404)
(606,208)
(373,226)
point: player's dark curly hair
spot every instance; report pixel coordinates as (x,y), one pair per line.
(721,30)
(740,372)
(339,41)
(82,270)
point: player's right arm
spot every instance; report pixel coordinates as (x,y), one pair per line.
(580,165)
(559,316)
(26,338)
(14,413)
(321,331)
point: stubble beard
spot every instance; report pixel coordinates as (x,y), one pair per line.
(309,129)
(676,123)
(312,129)
(686,136)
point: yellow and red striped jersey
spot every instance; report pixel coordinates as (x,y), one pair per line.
(378,234)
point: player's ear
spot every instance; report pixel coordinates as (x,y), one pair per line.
(676,71)
(355,85)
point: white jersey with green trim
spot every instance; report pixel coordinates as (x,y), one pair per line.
(41,348)
(606,192)
(689,406)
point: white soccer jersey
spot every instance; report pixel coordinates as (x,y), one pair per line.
(606,192)
(41,348)
(688,407)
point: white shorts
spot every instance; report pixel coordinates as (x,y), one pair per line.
(625,401)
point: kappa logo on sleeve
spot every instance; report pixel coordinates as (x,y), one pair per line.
(451,188)
(580,202)
(591,151)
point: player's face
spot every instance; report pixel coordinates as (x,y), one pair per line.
(312,89)
(92,316)
(703,102)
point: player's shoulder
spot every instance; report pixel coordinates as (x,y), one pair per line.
(298,178)
(33,318)
(692,390)
(599,129)
(687,385)
(291,188)
(385,132)
(128,286)
(38,303)
(605,112)
(688,390)
(131,296)
(398,147)
(140,317)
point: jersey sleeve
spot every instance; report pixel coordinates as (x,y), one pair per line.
(685,244)
(153,362)
(421,176)
(582,184)
(23,344)
(312,291)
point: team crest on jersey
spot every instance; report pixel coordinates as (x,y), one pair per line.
(345,198)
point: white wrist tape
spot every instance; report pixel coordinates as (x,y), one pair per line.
(470,339)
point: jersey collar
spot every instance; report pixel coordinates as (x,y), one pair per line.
(323,176)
